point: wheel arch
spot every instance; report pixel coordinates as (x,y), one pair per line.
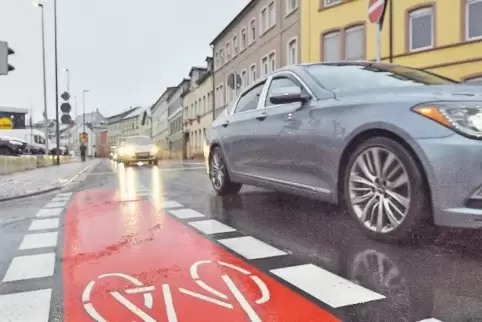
(377,132)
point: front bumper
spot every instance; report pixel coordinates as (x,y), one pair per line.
(140,157)
(454,171)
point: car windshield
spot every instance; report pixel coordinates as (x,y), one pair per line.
(139,140)
(355,77)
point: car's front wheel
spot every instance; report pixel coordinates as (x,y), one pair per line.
(219,175)
(384,190)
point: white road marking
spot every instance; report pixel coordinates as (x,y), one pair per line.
(132,307)
(60,199)
(64,194)
(241,299)
(251,248)
(186,213)
(33,306)
(56,204)
(430,320)
(326,286)
(30,266)
(140,289)
(39,240)
(167,204)
(211,226)
(41,224)
(52,212)
(205,298)
(170,310)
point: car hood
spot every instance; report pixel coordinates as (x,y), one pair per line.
(460,92)
(142,148)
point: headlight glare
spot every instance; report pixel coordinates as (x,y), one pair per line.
(462,117)
(154,150)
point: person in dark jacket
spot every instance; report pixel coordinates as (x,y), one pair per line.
(83,149)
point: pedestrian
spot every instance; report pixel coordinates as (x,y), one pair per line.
(83,149)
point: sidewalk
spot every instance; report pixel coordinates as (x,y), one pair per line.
(41,180)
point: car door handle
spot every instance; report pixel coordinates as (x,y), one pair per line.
(226,123)
(261,117)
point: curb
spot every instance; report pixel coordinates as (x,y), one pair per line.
(40,192)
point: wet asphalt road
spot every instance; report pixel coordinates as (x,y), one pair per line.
(440,277)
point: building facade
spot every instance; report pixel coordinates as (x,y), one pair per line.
(261,38)
(115,126)
(159,121)
(421,35)
(175,137)
(198,113)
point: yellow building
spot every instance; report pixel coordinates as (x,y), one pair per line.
(442,36)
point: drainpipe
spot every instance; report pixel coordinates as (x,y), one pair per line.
(214,84)
(390,27)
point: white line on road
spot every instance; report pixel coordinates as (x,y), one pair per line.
(30,266)
(251,248)
(64,194)
(430,320)
(40,240)
(170,310)
(186,213)
(41,224)
(211,226)
(326,286)
(33,306)
(52,212)
(56,204)
(253,317)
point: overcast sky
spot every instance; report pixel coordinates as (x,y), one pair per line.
(124,51)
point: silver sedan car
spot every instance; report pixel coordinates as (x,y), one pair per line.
(398,147)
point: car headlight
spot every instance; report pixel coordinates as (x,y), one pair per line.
(122,151)
(154,150)
(462,117)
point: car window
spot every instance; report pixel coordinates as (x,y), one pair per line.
(352,77)
(249,100)
(277,84)
(139,140)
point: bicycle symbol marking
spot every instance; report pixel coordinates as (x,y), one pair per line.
(217,297)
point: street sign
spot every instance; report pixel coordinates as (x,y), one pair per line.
(65,108)
(65,119)
(6,123)
(65,96)
(84,137)
(375,10)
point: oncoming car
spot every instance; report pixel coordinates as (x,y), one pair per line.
(400,148)
(134,149)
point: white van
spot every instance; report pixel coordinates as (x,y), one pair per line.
(34,138)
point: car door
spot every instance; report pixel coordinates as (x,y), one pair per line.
(240,132)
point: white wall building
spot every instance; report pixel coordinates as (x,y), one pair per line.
(160,124)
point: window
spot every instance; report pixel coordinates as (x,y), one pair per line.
(221,95)
(216,60)
(235,46)
(331,46)
(263,24)
(205,108)
(327,3)
(292,52)
(264,66)
(271,15)
(276,85)
(221,58)
(228,51)
(249,100)
(355,43)
(291,5)
(474,80)
(252,29)
(272,61)
(244,79)
(252,73)
(421,29)
(351,77)
(473,21)
(244,39)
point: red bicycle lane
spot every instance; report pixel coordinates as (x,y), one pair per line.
(125,261)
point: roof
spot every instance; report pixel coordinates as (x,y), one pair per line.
(196,68)
(167,91)
(120,115)
(238,17)
(204,76)
(137,111)
(177,87)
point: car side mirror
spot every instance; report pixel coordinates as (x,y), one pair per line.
(288,95)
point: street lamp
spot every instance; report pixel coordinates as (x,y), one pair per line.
(69,127)
(39,5)
(83,107)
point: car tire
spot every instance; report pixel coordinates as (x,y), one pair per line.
(219,174)
(401,194)
(155,162)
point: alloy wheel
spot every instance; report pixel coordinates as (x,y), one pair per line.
(379,190)
(217,170)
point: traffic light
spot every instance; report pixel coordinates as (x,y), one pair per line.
(5,51)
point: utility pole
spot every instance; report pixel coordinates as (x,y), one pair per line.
(56,85)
